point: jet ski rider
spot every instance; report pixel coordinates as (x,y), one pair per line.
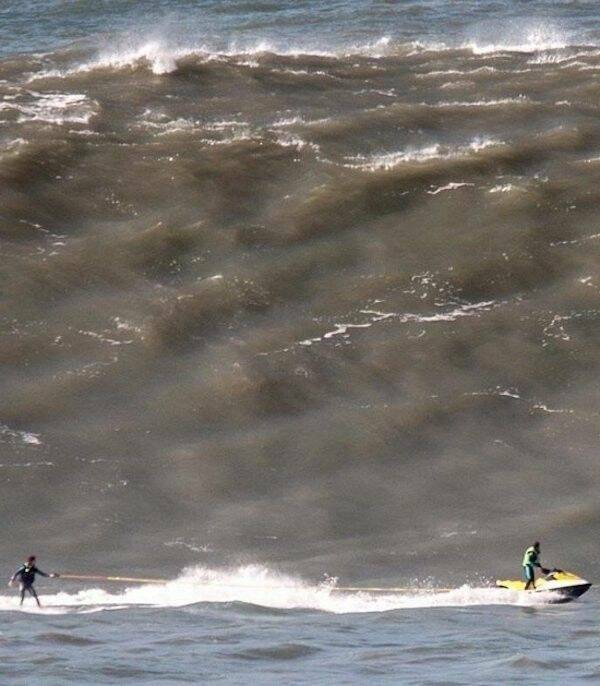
(531,559)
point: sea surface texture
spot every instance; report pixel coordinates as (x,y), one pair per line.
(294,290)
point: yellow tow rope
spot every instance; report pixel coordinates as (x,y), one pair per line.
(339,589)
(97,577)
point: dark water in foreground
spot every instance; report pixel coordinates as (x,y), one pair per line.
(240,643)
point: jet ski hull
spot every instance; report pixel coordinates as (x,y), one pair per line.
(567,594)
(558,586)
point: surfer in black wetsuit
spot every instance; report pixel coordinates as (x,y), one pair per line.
(26,576)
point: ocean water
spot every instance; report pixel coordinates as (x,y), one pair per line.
(269,629)
(293,291)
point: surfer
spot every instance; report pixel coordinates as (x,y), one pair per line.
(26,575)
(531,559)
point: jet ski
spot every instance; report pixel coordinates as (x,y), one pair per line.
(563,586)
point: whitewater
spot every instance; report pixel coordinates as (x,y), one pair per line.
(258,585)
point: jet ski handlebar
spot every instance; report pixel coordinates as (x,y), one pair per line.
(554,570)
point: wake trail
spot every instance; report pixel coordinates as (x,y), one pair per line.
(258,585)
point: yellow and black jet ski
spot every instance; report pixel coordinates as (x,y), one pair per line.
(563,586)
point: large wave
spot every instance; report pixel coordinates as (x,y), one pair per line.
(330,311)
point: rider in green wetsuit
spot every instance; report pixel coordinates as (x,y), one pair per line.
(531,559)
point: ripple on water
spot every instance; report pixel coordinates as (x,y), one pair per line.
(585,633)
(594,675)
(529,663)
(283,651)
(68,639)
(45,660)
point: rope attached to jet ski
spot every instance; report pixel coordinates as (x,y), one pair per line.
(340,589)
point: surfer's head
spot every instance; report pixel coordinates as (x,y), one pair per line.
(31,559)
(536,545)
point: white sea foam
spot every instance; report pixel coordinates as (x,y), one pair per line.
(575,241)
(229,140)
(258,585)
(388,93)
(15,143)
(160,58)
(520,37)
(551,410)
(499,391)
(288,140)
(452,186)
(124,325)
(194,547)
(377,48)
(376,316)
(12,148)
(165,128)
(231,130)
(565,55)
(102,337)
(384,161)
(227,125)
(518,100)
(26,465)
(503,188)
(392,159)
(12,436)
(162,55)
(459,72)
(287,121)
(53,108)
